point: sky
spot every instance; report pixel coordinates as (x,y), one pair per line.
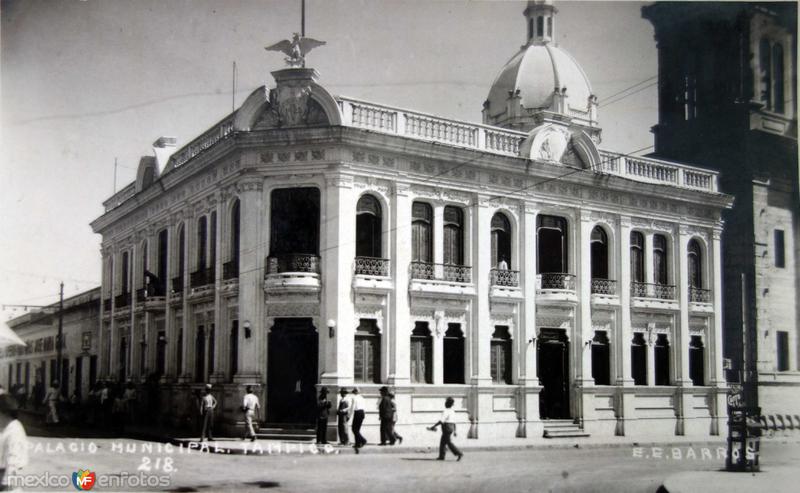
(86,82)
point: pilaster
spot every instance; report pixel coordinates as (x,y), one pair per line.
(624,335)
(400,259)
(337,280)
(583,364)
(481,265)
(681,344)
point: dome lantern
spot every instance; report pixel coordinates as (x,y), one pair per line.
(540,19)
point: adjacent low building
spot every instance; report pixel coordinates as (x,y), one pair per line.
(37,362)
(308,240)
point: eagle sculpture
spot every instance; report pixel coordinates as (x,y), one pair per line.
(295,49)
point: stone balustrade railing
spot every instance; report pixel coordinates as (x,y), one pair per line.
(210,137)
(658,171)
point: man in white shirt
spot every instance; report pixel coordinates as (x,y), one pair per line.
(207,405)
(251,408)
(447,420)
(357,405)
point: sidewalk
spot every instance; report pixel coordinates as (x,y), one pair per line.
(431,445)
(775,479)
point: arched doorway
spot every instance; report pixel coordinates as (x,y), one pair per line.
(292,371)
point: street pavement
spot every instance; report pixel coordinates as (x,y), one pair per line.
(625,468)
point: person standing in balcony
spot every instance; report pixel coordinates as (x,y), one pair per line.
(502,265)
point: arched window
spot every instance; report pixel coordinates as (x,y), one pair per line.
(421,354)
(552,244)
(368,227)
(453,236)
(540,26)
(777,78)
(637,256)
(599,252)
(695,264)
(421,229)
(230,269)
(202,241)
(765,67)
(501,240)
(163,252)
(660,259)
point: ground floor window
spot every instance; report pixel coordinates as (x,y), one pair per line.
(421,354)
(639,359)
(601,361)
(453,353)
(696,361)
(782,346)
(661,354)
(367,352)
(200,354)
(123,361)
(501,355)
(212,346)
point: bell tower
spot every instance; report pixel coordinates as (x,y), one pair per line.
(540,18)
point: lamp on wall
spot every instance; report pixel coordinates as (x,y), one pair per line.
(246,326)
(331,328)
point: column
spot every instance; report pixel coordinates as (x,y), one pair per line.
(183,374)
(481,265)
(624,335)
(220,318)
(584,284)
(137,326)
(437,343)
(681,343)
(400,259)
(251,275)
(339,217)
(526,334)
(715,375)
(525,338)
(651,336)
(112,363)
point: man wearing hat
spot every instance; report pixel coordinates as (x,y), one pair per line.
(386,415)
(323,412)
(207,405)
(342,413)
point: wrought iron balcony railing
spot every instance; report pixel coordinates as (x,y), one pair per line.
(122,300)
(699,295)
(371,266)
(557,280)
(604,286)
(202,277)
(295,262)
(442,272)
(141,295)
(648,290)
(177,284)
(230,270)
(504,277)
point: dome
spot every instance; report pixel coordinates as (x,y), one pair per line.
(534,74)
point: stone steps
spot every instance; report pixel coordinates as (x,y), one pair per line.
(562,428)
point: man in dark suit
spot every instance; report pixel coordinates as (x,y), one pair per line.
(386,415)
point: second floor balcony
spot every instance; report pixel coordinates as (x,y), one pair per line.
(292,272)
(122,301)
(202,277)
(230,270)
(372,274)
(556,286)
(647,294)
(504,278)
(441,279)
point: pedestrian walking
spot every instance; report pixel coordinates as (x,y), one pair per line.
(357,405)
(342,412)
(385,415)
(251,408)
(396,438)
(207,405)
(51,399)
(323,413)
(447,420)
